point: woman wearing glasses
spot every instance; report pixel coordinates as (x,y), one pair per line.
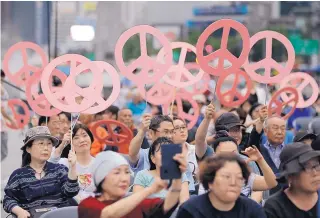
(222,176)
(146,178)
(39,183)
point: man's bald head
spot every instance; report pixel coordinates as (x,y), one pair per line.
(275,130)
(125,116)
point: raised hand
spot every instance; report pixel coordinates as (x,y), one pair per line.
(210,110)
(146,120)
(253,153)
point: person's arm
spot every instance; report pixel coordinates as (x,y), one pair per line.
(136,142)
(56,152)
(68,177)
(184,194)
(124,206)
(257,196)
(268,180)
(6,116)
(201,145)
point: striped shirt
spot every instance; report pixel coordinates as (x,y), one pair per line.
(25,190)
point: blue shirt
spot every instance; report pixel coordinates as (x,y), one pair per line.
(137,109)
(143,163)
(274,152)
(25,190)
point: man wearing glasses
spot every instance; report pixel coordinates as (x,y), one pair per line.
(158,126)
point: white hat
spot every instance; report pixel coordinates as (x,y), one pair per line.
(104,163)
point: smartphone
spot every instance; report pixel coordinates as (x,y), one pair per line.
(169,167)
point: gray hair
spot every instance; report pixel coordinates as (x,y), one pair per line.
(265,122)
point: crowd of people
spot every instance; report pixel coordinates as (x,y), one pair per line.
(235,162)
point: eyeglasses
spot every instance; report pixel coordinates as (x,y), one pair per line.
(311,168)
(180,128)
(239,180)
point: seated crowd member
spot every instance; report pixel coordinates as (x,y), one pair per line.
(222,176)
(111,175)
(300,169)
(39,183)
(81,141)
(145,178)
(225,144)
(304,137)
(54,125)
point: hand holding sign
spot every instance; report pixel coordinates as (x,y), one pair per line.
(301,81)
(223,53)
(276,106)
(21,119)
(268,63)
(144,62)
(19,78)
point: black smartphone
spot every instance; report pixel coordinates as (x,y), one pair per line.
(169,167)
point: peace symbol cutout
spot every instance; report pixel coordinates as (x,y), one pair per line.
(223,53)
(21,119)
(190,118)
(199,87)
(268,63)
(160,93)
(228,98)
(144,62)
(19,78)
(276,106)
(70,90)
(175,72)
(104,104)
(38,102)
(110,137)
(301,81)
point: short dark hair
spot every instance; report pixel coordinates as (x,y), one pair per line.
(113,110)
(153,148)
(85,128)
(157,120)
(211,164)
(222,136)
(68,115)
(43,120)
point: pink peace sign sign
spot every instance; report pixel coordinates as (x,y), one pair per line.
(192,118)
(70,90)
(268,63)
(301,81)
(38,102)
(176,72)
(227,98)
(144,62)
(104,104)
(160,93)
(19,78)
(21,119)
(223,53)
(200,86)
(276,106)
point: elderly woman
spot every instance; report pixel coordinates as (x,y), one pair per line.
(222,176)
(82,139)
(39,183)
(111,174)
